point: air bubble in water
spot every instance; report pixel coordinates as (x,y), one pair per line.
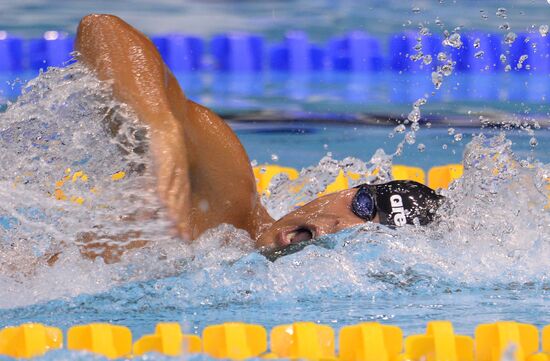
(502,58)
(533,141)
(510,38)
(479,54)
(424,31)
(543,30)
(458,137)
(416,10)
(421,147)
(507,68)
(274,157)
(444,146)
(441,56)
(504,26)
(253,163)
(451,131)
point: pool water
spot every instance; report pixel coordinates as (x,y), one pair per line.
(484,260)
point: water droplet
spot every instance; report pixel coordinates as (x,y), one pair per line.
(400,128)
(453,41)
(415,127)
(421,147)
(510,38)
(501,13)
(444,146)
(479,54)
(274,157)
(502,58)
(437,79)
(424,31)
(414,115)
(504,26)
(438,22)
(543,30)
(410,138)
(441,56)
(419,102)
(484,15)
(533,141)
(428,124)
(458,137)
(451,131)
(477,43)
(447,69)
(416,10)
(522,60)
(427,59)
(417,56)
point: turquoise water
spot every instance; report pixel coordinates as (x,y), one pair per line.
(486,260)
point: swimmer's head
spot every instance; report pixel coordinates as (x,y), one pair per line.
(394,204)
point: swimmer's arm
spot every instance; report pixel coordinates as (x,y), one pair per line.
(129,61)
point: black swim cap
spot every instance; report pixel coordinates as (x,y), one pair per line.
(403,202)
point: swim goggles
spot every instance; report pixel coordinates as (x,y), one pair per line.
(363,204)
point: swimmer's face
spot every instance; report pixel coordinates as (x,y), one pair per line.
(329,214)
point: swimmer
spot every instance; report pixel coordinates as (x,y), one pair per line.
(204,176)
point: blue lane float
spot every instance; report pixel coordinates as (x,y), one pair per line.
(180,52)
(53,49)
(296,54)
(405,46)
(11,53)
(480,52)
(356,51)
(238,52)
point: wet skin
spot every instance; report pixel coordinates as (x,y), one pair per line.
(325,215)
(204,177)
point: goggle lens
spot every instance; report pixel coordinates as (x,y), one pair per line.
(363,204)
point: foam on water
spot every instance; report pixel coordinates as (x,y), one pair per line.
(493,230)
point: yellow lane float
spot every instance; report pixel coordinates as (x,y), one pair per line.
(369,341)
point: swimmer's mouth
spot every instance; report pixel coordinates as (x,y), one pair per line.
(296,235)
